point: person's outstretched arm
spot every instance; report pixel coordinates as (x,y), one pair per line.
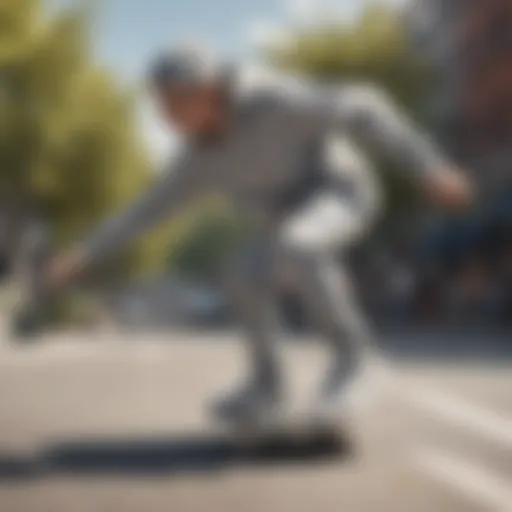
(369,117)
(372,118)
(171,192)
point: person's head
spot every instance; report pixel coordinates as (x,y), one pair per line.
(190,90)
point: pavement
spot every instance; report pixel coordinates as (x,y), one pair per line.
(108,422)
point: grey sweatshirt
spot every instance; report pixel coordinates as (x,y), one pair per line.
(277,151)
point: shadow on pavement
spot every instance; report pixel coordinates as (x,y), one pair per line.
(179,455)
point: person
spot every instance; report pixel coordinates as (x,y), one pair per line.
(286,152)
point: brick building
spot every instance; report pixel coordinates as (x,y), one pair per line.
(469,42)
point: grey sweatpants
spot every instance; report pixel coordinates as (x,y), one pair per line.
(304,251)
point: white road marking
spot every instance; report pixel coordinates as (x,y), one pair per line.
(474,483)
(483,421)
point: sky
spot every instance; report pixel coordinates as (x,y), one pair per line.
(129,32)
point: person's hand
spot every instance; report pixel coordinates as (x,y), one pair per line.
(450,189)
(63,269)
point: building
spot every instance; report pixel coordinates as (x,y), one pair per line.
(469,43)
(430,24)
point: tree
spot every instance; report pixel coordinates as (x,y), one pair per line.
(69,151)
(373,49)
(207,237)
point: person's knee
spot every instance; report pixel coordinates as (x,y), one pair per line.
(303,240)
(328,225)
(299,247)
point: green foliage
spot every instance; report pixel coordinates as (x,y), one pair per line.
(68,146)
(373,49)
(206,240)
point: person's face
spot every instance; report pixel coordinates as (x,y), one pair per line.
(194,111)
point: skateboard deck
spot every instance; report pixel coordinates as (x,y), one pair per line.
(298,433)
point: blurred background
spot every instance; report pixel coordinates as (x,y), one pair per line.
(79,140)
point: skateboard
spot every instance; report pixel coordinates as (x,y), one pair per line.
(298,435)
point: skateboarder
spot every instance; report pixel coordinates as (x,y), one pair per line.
(286,152)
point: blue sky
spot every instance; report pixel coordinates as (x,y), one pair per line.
(129,32)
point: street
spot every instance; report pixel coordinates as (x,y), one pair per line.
(118,423)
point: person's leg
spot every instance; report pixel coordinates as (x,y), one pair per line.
(249,284)
(329,298)
(310,240)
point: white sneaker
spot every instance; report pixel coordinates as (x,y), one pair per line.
(345,394)
(254,403)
